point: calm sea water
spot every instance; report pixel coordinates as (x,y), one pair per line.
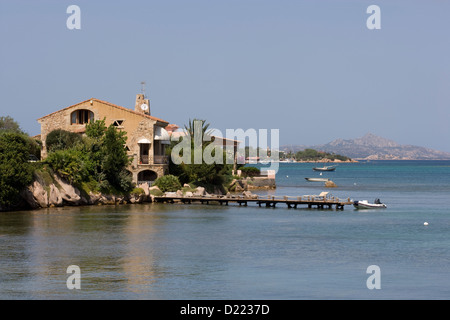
(175,251)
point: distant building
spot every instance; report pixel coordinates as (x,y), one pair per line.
(146,135)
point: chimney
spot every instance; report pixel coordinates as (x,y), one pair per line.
(142,105)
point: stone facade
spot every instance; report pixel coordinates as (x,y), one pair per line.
(146,136)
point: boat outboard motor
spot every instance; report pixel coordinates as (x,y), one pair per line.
(377,201)
(355,203)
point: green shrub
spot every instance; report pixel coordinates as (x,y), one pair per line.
(115,159)
(168,183)
(61,139)
(15,170)
(72,164)
(250,171)
(137,191)
(156,192)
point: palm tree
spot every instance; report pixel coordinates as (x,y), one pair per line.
(195,125)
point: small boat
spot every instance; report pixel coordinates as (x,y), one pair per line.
(325,168)
(317,179)
(364,204)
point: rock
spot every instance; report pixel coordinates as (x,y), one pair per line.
(240,185)
(69,193)
(249,194)
(186,185)
(55,197)
(40,194)
(34,197)
(179,193)
(200,191)
(330,184)
(59,192)
(145,187)
(107,199)
(94,197)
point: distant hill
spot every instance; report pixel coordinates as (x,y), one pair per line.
(372,147)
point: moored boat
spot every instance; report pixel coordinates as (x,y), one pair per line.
(364,204)
(317,179)
(325,168)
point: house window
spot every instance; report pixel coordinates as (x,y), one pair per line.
(81,117)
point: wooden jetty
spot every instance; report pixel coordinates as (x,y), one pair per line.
(319,201)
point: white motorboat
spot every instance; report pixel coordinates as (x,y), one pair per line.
(364,204)
(325,168)
(318,179)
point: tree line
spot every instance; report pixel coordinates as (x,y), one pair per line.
(312,155)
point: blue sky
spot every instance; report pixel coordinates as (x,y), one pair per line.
(309,68)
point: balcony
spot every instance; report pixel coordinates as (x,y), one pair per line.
(144,159)
(157,159)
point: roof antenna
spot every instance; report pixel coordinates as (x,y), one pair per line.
(143,89)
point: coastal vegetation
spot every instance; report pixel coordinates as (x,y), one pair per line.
(250,171)
(96,162)
(312,155)
(16,169)
(168,183)
(62,140)
(213,177)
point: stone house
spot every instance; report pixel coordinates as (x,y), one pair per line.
(146,134)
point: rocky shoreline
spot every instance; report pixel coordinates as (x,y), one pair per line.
(61,193)
(57,192)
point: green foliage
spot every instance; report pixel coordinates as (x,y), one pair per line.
(15,170)
(137,191)
(34,147)
(115,159)
(97,162)
(72,164)
(8,124)
(190,127)
(44,174)
(156,192)
(168,183)
(96,129)
(314,155)
(61,139)
(202,173)
(250,171)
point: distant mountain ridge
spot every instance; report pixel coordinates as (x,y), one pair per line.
(372,147)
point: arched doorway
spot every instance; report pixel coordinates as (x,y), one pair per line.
(147,176)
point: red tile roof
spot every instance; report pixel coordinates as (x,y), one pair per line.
(110,104)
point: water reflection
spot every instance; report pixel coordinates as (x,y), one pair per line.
(113,246)
(138,260)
